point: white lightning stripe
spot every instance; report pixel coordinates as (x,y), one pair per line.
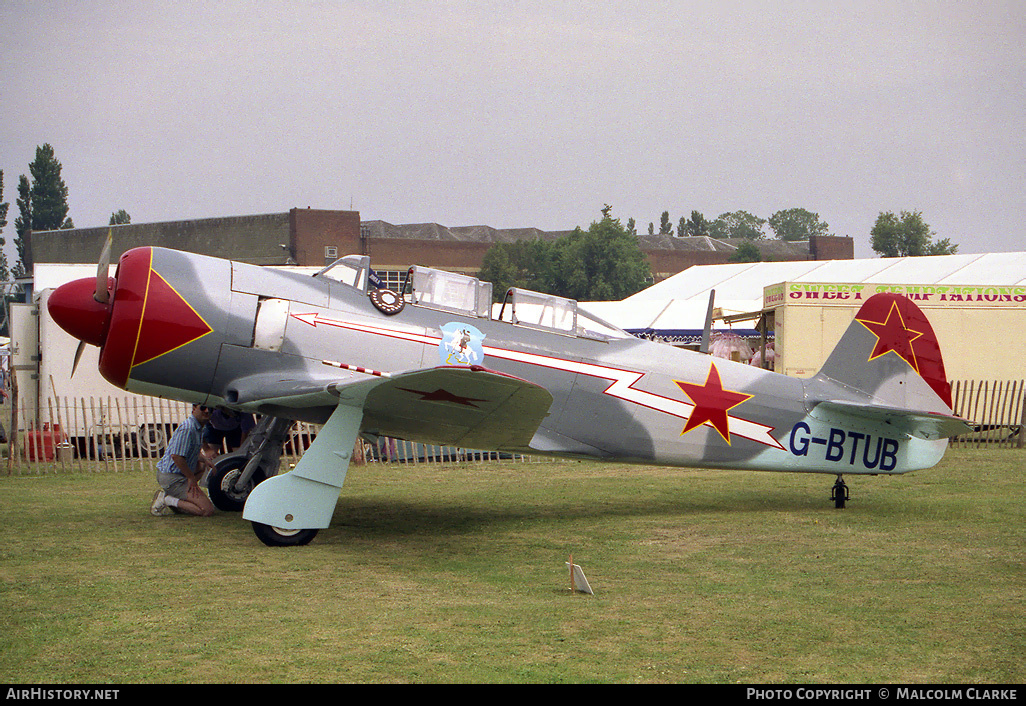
(622,388)
(315,319)
(622,380)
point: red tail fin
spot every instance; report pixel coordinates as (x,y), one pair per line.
(902,329)
(890,340)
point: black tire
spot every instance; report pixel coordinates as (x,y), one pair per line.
(220,484)
(840,495)
(278,537)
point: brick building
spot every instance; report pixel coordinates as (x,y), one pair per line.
(313,237)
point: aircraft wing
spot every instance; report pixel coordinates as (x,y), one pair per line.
(470,407)
(920,424)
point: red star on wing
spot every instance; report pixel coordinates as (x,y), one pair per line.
(893,336)
(441,395)
(712,403)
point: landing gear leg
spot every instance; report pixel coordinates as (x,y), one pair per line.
(237,473)
(839,494)
(287,510)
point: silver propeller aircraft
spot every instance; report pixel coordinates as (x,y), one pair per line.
(433,363)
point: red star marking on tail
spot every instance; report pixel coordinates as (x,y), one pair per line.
(892,336)
(712,403)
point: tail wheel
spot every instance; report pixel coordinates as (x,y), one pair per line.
(280,537)
(221,484)
(839,493)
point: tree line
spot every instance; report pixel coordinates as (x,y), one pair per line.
(42,205)
(787,224)
(605,262)
(600,263)
(905,234)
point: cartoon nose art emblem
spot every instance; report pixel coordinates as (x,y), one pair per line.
(461,345)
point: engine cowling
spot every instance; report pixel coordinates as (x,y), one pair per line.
(143,318)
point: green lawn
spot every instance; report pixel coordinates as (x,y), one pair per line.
(456,574)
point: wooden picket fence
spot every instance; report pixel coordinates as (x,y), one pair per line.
(997,407)
(88,434)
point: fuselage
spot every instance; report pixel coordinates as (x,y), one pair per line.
(208,330)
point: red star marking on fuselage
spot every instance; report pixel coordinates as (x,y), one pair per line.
(712,403)
(892,336)
(441,395)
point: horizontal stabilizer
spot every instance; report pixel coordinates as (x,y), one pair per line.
(918,423)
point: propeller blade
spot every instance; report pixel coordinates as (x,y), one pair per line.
(102,270)
(78,356)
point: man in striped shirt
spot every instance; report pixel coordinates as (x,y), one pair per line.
(180,468)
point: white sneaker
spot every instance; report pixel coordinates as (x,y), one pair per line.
(157,507)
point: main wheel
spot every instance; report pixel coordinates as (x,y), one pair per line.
(221,484)
(279,537)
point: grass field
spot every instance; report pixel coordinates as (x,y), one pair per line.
(456,574)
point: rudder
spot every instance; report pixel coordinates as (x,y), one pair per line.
(886,355)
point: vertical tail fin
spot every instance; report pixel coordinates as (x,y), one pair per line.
(886,379)
(889,356)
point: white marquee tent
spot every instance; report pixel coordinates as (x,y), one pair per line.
(677,306)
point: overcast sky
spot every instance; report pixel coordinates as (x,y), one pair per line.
(515,114)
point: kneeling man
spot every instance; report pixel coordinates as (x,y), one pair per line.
(180,468)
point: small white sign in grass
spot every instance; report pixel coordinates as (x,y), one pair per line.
(578,581)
